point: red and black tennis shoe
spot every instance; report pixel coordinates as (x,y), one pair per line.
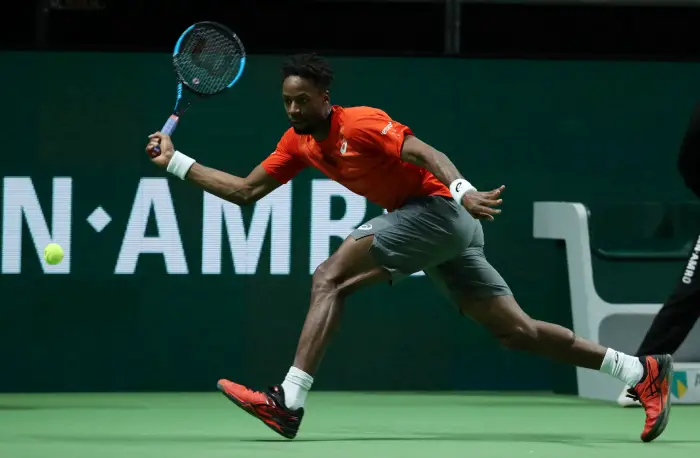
(654,392)
(267,406)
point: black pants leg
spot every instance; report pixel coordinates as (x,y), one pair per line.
(679,313)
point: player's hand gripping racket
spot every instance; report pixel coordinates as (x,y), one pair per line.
(208,59)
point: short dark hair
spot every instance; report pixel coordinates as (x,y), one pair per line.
(311,67)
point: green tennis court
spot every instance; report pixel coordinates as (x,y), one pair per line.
(353,425)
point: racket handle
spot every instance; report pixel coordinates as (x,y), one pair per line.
(168,128)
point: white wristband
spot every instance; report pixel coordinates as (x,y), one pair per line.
(459,188)
(180,164)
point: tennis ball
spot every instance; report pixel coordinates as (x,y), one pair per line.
(53,253)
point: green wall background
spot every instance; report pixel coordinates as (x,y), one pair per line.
(601,133)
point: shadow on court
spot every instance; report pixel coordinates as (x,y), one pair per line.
(69,407)
(575,440)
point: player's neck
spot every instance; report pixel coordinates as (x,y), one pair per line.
(324,130)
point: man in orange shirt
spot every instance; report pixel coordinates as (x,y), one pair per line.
(433,225)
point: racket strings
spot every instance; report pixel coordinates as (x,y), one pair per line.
(208,60)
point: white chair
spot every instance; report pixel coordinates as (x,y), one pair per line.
(569,222)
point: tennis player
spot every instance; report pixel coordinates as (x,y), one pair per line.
(433,224)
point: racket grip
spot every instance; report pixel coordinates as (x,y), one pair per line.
(169,127)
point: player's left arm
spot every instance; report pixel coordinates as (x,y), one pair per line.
(436,162)
(374,129)
(479,204)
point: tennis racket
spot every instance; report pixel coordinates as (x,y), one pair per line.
(208,59)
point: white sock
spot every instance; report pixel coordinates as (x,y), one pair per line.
(296,386)
(626,368)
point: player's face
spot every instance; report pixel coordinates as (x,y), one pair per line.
(305,104)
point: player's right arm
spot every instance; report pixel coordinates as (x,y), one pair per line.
(276,170)
(239,190)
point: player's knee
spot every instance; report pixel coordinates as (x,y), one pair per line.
(519,336)
(325,278)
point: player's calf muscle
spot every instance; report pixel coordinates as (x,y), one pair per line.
(517,331)
(552,341)
(518,336)
(561,344)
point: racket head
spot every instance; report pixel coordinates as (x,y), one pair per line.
(208,58)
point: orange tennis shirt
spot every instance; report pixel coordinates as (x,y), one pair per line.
(363,153)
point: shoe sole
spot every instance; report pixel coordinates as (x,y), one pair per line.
(666,372)
(250,410)
(630,405)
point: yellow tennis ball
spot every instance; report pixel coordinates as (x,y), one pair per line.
(53,253)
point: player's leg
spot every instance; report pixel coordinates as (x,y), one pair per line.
(649,375)
(674,321)
(387,248)
(482,294)
(350,268)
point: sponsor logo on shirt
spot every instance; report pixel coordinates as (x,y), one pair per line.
(386,129)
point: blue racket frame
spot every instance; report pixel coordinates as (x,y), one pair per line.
(172,122)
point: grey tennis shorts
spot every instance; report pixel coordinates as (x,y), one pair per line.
(436,235)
